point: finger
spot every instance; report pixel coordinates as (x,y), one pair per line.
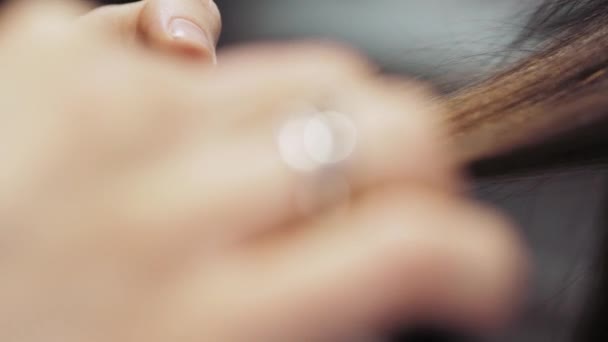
(210,178)
(404,257)
(188,27)
(21,19)
(185,27)
(118,21)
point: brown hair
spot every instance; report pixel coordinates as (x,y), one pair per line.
(550,106)
(560,89)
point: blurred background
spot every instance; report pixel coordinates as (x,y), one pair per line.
(452,43)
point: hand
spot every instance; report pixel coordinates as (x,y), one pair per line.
(142,200)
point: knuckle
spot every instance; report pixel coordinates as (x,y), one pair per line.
(503,245)
(427,222)
(334,54)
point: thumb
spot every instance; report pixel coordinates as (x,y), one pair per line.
(187,27)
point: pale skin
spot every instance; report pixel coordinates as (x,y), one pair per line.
(126,213)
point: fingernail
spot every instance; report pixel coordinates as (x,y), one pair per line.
(183,29)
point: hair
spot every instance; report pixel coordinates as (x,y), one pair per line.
(554,96)
(548,110)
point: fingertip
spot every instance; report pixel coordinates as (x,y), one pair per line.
(192,39)
(462,263)
(189,28)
